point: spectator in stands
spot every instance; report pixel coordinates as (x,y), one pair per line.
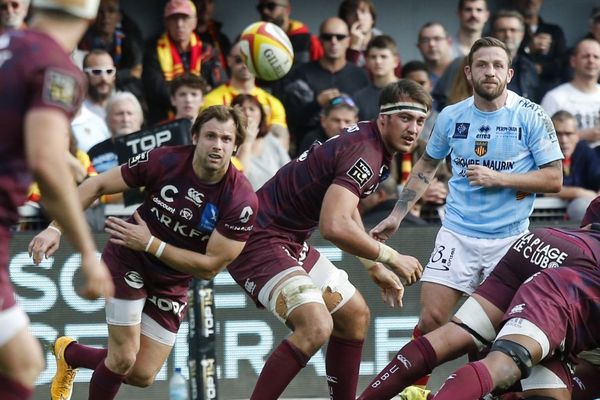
(261,155)
(472,17)
(126,50)
(177,50)
(417,71)
(436,49)
(100,72)
(544,42)
(313,84)
(581,167)
(243,82)
(378,205)
(210,30)
(306,46)
(382,60)
(187,96)
(339,113)
(12,14)
(580,96)
(89,129)
(360,17)
(509,27)
(460,88)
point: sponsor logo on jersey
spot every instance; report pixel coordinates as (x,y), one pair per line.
(508,131)
(167,193)
(176,226)
(163,205)
(60,89)
(481,147)
(194,196)
(461,130)
(208,220)
(246,214)
(186,213)
(360,172)
(134,280)
(138,158)
(538,252)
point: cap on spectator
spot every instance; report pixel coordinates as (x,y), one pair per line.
(592,214)
(341,101)
(185,7)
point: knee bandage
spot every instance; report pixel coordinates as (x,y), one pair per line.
(519,354)
(294,292)
(476,322)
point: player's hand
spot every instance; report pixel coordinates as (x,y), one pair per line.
(478,175)
(386,228)
(98,282)
(392,290)
(44,244)
(133,236)
(408,268)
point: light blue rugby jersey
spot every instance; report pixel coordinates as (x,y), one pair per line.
(517,138)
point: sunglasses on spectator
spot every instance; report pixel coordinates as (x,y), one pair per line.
(345,100)
(269,6)
(98,71)
(12,4)
(328,37)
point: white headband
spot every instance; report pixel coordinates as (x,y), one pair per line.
(393,108)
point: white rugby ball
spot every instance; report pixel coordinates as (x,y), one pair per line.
(266,51)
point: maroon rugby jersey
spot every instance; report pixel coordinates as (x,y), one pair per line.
(35,72)
(183,211)
(290,202)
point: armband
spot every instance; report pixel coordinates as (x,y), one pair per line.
(149,243)
(386,254)
(160,250)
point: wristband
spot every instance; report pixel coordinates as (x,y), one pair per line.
(160,250)
(55,229)
(149,243)
(386,254)
(368,264)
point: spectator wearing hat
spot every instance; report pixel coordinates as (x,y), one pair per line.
(174,52)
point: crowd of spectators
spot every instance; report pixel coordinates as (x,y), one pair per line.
(136,82)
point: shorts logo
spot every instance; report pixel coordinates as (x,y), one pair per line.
(519,308)
(250,286)
(246,214)
(134,280)
(186,213)
(194,196)
(139,158)
(481,147)
(360,172)
(60,89)
(461,130)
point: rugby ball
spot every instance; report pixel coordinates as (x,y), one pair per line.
(266,51)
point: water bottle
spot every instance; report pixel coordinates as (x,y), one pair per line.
(178,387)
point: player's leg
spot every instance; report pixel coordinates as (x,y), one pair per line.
(351,316)
(296,301)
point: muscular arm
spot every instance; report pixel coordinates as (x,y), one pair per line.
(109,182)
(547,179)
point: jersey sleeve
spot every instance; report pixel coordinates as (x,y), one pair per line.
(56,88)
(138,169)
(357,166)
(438,146)
(541,139)
(237,221)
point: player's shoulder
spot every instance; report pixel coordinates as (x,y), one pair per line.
(457,109)
(524,107)
(239,184)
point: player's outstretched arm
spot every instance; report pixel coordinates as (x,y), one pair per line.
(420,178)
(220,251)
(45,148)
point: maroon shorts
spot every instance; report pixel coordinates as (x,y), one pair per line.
(538,250)
(7,293)
(137,275)
(266,256)
(565,304)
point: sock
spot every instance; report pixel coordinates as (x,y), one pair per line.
(415,359)
(13,390)
(104,384)
(469,382)
(78,355)
(281,367)
(422,381)
(342,365)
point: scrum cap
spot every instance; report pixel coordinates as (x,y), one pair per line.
(592,214)
(86,9)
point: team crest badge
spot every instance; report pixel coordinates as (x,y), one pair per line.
(481,147)
(461,130)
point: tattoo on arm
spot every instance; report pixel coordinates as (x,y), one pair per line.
(406,197)
(423,178)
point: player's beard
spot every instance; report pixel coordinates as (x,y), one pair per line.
(489,94)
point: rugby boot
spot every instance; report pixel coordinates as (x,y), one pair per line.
(62,383)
